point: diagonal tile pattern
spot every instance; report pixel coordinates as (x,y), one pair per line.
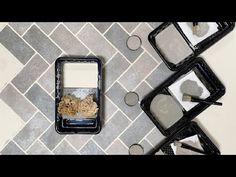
(27,76)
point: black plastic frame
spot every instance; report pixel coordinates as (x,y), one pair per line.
(191,129)
(59,121)
(218,91)
(224,28)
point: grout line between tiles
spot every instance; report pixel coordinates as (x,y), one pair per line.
(71,145)
(148,84)
(119,109)
(109,118)
(108,28)
(54,29)
(110,59)
(62,51)
(58,144)
(128,126)
(123,28)
(122,86)
(30,45)
(149,142)
(136,28)
(114,47)
(76,37)
(149,25)
(45,90)
(123,143)
(146,77)
(45,146)
(84,144)
(24,124)
(143,47)
(81,29)
(110,144)
(124,72)
(37,109)
(23,65)
(147,134)
(27,29)
(30,102)
(99,147)
(19,146)
(38,137)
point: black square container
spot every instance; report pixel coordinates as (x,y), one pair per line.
(206,75)
(223,29)
(184,127)
(79,124)
(189,130)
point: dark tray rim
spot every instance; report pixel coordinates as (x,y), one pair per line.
(58,121)
(208,144)
(189,115)
(201,47)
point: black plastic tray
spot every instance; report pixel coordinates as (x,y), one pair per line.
(224,28)
(189,130)
(216,89)
(82,125)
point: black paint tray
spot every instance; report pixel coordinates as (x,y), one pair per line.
(77,124)
(206,75)
(223,29)
(189,130)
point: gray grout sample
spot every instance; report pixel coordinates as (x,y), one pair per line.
(172,45)
(166,110)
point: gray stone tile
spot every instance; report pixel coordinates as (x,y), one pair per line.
(118,37)
(114,69)
(155,137)
(102,26)
(42,101)
(159,75)
(16,45)
(78,140)
(20,27)
(12,149)
(143,31)
(155,24)
(47,81)
(38,149)
(129,26)
(31,131)
(111,130)
(142,90)
(146,146)
(91,149)
(53,94)
(117,148)
(68,42)
(137,130)
(74,26)
(117,93)
(51,138)
(17,102)
(64,149)
(109,109)
(42,44)
(138,71)
(47,27)
(30,73)
(89,36)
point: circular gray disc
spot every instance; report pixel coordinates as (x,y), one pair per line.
(134,42)
(131,98)
(136,149)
